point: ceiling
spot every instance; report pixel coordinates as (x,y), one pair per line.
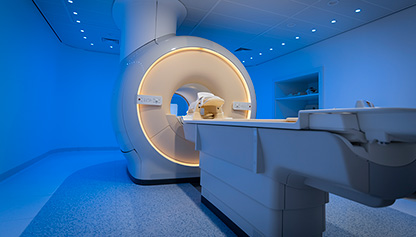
(267,28)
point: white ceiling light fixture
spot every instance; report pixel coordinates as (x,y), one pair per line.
(313,30)
(334,21)
(358,10)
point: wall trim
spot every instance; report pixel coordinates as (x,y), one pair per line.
(28,163)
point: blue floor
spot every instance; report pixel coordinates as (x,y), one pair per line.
(24,195)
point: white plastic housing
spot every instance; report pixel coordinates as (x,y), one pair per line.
(135,136)
(142,21)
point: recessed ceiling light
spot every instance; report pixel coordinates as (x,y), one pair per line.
(334,21)
(75,13)
(82,31)
(313,30)
(260,54)
(70,1)
(111,46)
(251,57)
(271,49)
(78,21)
(297,37)
(357,10)
(244,61)
(85,37)
(283,44)
(92,44)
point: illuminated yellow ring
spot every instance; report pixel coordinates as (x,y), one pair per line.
(175,52)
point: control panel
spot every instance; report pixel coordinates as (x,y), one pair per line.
(241,106)
(149,100)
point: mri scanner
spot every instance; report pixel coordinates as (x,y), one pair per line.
(268,177)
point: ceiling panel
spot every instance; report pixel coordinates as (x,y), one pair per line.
(306,28)
(200,4)
(264,47)
(287,36)
(259,25)
(393,5)
(246,13)
(324,18)
(369,12)
(234,24)
(307,2)
(282,7)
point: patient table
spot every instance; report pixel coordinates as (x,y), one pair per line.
(272,177)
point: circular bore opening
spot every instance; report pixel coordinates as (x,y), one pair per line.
(184,96)
(178,105)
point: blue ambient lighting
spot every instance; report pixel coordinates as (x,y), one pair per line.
(313,30)
(297,37)
(334,21)
(75,13)
(357,10)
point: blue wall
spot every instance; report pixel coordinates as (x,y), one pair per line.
(51,96)
(375,62)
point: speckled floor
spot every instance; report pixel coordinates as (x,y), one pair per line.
(102,201)
(99,200)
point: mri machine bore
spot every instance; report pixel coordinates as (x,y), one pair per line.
(269,177)
(153,139)
(154,67)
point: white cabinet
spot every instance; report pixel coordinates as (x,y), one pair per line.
(298,92)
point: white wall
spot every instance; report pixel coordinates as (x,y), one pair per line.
(376,62)
(51,96)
